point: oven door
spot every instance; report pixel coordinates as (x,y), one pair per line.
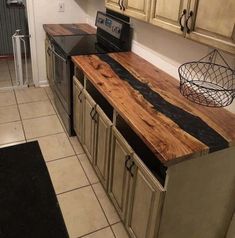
(61,78)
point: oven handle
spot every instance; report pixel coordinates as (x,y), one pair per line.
(56,54)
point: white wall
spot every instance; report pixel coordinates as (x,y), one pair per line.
(46,11)
(164,49)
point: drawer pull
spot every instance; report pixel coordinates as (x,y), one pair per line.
(180,20)
(186,23)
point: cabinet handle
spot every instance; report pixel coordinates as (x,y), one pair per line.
(128,157)
(180,20)
(123,7)
(95,117)
(187,20)
(92,110)
(130,169)
(119,3)
(79,95)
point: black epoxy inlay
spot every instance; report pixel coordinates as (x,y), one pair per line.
(191,124)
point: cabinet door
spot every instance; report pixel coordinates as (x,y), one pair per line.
(102,146)
(77,108)
(119,176)
(113,5)
(213,23)
(137,8)
(168,14)
(88,125)
(145,203)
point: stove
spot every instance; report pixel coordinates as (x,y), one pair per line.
(112,35)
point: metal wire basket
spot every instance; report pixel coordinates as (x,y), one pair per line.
(208,83)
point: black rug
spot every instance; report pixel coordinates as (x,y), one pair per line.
(28,204)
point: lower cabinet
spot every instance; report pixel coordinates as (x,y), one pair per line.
(102,145)
(78,108)
(136,194)
(146,198)
(119,175)
(89,106)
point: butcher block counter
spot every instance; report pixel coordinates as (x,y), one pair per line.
(149,100)
(162,159)
(68,29)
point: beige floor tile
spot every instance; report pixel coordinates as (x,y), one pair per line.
(88,169)
(7,98)
(76,145)
(11,144)
(5,76)
(30,95)
(119,231)
(5,84)
(11,132)
(55,146)
(104,233)
(67,174)
(9,114)
(42,126)
(81,211)
(36,109)
(49,92)
(106,204)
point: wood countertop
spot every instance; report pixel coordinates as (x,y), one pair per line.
(149,100)
(68,29)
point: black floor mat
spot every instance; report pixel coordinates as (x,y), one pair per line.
(28,204)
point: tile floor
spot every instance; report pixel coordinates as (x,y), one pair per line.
(29,114)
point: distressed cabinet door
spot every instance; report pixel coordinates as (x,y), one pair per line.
(119,176)
(169,14)
(213,23)
(146,198)
(102,146)
(77,108)
(113,5)
(138,9)
(88,125)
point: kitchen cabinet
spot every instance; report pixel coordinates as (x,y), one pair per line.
(138,9)
(203,21)
(88,125)
(145,202)
(212,23)
(102,145)
(169,14)
(119,175)
(78,108)
(114,5)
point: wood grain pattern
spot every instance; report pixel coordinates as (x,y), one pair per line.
(68,29)
(162,135)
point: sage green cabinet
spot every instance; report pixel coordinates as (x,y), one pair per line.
(102,145)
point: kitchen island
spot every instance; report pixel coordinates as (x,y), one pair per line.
(167,164)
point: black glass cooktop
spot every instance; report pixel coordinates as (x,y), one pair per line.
(82,45)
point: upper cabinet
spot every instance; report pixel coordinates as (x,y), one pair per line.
(169,14)
(138,9)
(207,22)
(212,22)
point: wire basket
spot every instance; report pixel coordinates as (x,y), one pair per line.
(208,83)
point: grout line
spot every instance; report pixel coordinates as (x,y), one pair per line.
(25,119)
(71,190)
(90,233)
(41,100)
(65,157)
(37,137)
(2,123)
(5,144)
(22,125)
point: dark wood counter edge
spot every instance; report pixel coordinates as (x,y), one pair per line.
(52,32)
(163,160)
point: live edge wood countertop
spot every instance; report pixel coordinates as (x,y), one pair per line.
(68,29)
(149,100)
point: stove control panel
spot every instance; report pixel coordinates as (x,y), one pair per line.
(109,24)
